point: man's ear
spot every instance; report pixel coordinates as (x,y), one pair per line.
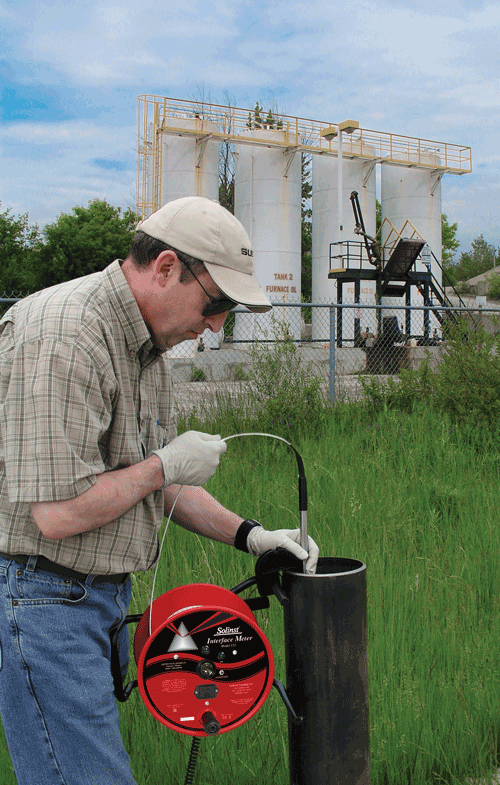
(164,266)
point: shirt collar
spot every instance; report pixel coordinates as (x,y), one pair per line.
(128,314)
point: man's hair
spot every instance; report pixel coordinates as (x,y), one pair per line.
(145,248)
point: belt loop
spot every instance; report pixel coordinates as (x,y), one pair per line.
(31,563)
(88,580)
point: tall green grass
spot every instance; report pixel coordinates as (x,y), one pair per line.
(415,497)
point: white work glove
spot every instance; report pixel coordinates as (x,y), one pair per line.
(260,540)
(191,458)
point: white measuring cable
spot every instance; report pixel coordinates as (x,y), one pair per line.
(158,562)
(226,439)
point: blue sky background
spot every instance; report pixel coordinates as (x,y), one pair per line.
(71,73)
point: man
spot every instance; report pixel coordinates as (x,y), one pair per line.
(88,466)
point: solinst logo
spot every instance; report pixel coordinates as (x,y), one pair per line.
(227,631)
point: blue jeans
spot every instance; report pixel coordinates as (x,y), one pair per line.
(56,692)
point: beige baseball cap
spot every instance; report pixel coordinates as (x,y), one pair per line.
(204,229)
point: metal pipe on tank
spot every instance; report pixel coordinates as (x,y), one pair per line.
(340,187)
(327,673)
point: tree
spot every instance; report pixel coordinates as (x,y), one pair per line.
(17,243)
(494,286)
(226,163)
(306,229)
(449,246)
(84,242)
(449,241)
(480,258)
(226,176)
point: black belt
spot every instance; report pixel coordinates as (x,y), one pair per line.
(65,572)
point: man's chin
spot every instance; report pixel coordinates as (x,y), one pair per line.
(176,340)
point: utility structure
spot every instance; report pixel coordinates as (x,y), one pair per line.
(179,144)
(392,267)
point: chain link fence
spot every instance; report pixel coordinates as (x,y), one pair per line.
(335,342)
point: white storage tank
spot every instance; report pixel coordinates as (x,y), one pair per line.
(413,195)
(181,177)
(357,175)
(268,204)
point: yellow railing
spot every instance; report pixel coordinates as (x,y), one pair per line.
(241,126)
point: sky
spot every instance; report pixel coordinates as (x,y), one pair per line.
(71,71)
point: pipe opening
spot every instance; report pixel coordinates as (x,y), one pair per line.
(335,565)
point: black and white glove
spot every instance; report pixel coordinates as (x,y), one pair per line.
(252,538)
(191,458)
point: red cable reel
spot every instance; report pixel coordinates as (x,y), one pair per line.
(203,664)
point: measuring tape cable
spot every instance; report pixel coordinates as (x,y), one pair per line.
(302,503)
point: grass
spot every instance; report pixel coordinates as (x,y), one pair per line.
(416,498)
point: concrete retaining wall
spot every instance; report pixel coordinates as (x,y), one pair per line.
(228,364)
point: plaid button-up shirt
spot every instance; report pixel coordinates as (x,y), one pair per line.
(82,391)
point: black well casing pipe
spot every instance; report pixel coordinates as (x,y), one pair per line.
(327,673)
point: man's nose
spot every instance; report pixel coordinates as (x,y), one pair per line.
(215,322)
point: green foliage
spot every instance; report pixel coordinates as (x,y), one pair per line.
(306,261)
(197,374)
(18,241)
(239,374)
(283,394)
(226,186)
(481,257)
(416,499)
(449,241)
(494,286)
(84,242)
(284,390)
(465,385)
(306,230)
(256,120)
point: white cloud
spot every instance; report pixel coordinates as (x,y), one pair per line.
(51,168)
(107,43)
(424,68)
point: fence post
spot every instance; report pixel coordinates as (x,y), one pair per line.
(332,353)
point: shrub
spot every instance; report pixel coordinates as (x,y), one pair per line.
(239,374)
(283,388)
(197,374)
(494,286)
(466,384)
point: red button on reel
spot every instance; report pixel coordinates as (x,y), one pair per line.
(203,664)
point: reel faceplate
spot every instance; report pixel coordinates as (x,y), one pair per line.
(205,666)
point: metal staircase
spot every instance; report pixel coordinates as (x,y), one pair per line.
(397,275)
(394,278)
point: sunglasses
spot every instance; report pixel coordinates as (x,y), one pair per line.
(217,304)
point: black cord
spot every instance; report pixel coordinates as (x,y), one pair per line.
(244,585)
(195,744)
